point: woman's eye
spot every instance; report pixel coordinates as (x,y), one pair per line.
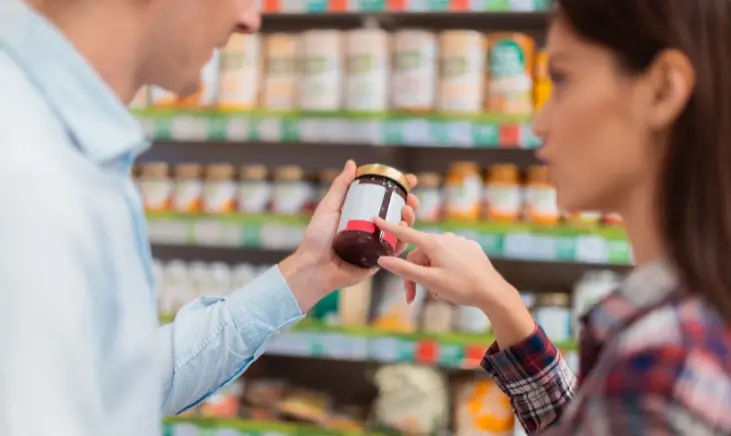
(557,79)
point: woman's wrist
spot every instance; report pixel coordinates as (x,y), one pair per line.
(511,321)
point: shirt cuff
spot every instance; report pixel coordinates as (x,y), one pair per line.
(521,364)
(264,307)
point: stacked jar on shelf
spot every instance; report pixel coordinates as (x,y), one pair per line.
(500,194)
(380,303)
(371,70)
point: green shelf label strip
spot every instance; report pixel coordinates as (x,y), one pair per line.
(480,131)
(185,426)
(606,245)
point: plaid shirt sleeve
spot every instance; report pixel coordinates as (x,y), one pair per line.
(535,377)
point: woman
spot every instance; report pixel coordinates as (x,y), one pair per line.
(640,123)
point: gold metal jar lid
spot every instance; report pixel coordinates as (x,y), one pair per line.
(384,171)
(329,176)
(429,180)
(188,171)
(220,172)
(554,299)
(253,172)
(154,169)
(289,173)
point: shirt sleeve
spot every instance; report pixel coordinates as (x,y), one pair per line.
(535,377)
(51,354)
(214,340)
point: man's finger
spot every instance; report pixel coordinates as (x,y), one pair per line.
(333,200)
(413,201)
(413,180)
(409,271)
(404,233)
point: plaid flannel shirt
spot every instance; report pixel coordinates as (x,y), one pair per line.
(653,361)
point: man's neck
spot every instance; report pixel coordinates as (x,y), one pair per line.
(106,34)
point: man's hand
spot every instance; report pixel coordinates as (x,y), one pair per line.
(314,270)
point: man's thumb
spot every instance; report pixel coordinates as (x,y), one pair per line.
(333,200)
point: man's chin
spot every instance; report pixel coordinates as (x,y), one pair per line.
(189,89)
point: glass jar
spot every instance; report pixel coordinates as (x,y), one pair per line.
(540,196)
(503,193)
(378,190)
(464,191)
(219,191)
(255,190)
(156,186)
(430,196)
(188,188)
(292,194)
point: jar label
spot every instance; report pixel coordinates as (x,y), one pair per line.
(156,194)
(542,204)
(430,204)
(504,201)
(291,198)
(464,199)
(365,201)
(218,197)
(254,196)
(187,196)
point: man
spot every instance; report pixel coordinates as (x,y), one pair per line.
(80,350)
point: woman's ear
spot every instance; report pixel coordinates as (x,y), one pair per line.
(671,80)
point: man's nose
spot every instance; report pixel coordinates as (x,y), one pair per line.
(249,20)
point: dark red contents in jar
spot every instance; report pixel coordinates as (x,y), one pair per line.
(360,242)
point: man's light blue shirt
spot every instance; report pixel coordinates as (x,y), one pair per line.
(82,352)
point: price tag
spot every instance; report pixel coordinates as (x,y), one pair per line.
(232,234)
(358,348)
(417,132)
(544,247)
(184,429)
(237,129)
(384,349)
(148,127)
(273,235)
(270,129)
(189,128)
(591,249)
(485,135)
(208,232)
(310,130)
(565,248)
(336,346)
(518,246)
(229,432)
(522,5)
(450,355)
(167,232)
(460,133)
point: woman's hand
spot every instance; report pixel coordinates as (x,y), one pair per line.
(456,269)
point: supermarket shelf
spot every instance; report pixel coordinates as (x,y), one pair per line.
(314,157)
(273,8)
(439,15)
(452,350)
(483,131)
(185,426)
(602,245)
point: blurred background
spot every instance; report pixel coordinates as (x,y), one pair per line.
(441,88)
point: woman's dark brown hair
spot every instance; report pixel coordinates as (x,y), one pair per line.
(695,197)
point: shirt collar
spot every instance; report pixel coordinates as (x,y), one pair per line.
(93,114)
(645,288)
